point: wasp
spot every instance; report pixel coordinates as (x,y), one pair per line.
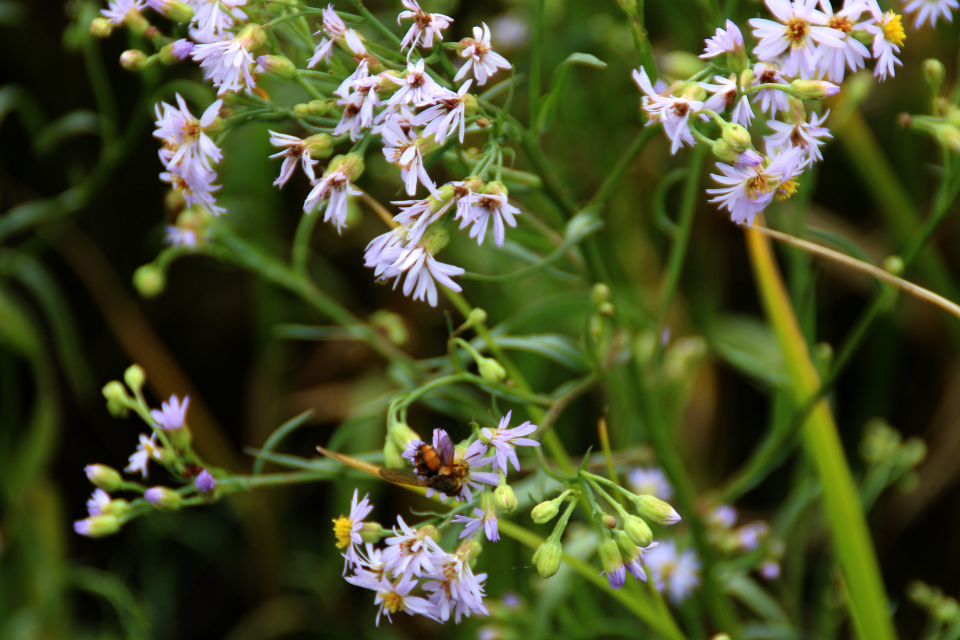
(434,469)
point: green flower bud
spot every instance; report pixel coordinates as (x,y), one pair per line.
(737,137)
(504,497)
(612,562)
(546,511)
(104,477)
(352,165)
(301,111)
(97,526)
(320,107)
(430,531)
(101,28)
(606,520)
(135,376)
(320,145)
(252,36)
(599,294)
(606,309)
(477,316)
(547,558)
(278,65)
(174,10)
(656,510)
(491,370)
(470,105)
(117,507)
(812,89)
(469,550)
(133,60)
(391,325)
(638,531)
(934,72)
(163,498)
(149,280)
(372,532)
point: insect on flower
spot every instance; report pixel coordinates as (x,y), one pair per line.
(434,469)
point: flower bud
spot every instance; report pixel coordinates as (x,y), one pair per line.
(149,280)
(469,550)
(812,89)
(504,497)
(546,511)
(301,111)
(599,294)
(391,325)
(607,520)
(656,510)
(401,435)
(606,309)
(97,526)
(934,73)
(252,36)
(101,28)
(352,165)
(117,398)
(173,10)
(163,498)
(205,483)
(612,562)
(736,136)
(133,59)
(320,145)
(482,123)
(104,477)
(320,107)
(491,370)
(638,531)
(547,558)
(372,532)
(430,531)
(135,376)
(470,105)
(278,65)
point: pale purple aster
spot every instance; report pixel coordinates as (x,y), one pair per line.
(616,574)
(771,100)
(333,29)
(750,535)
(118,11)
(416,87)
(504,440)
(214,18)
(481,58)
(799,33)
(185,237)
(198,190)
(723,516)
(672,112)
(485,519)
(422,271)
(651,481)
(425,27)
(747,190)
(674,573)
(887,31)
(403,150)
(382,252)
(411,552)
(182,49)
(187,149)
(416,216)
(770,570)
(473,459)
(228,64)
(99,503)
(205,482)
(484,207)
(172,414)
(140,459)
(834,61)
(931,10)
(393,597)
(807,136)
(724,96)
(347,529)
(729,40)
(454,589)
(293,151)
(448,114)
(334,187)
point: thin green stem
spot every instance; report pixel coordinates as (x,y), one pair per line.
(612,181)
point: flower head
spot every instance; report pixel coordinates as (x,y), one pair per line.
(425,27)
(835,60)
(481,57)
(675,573)
(807,136)
(334,187)
(333,29)
(213,18)
(172,414)
(293,150)
(729,40)
(119,11)
(140,459)
(229,64)
(481,518)
(347,529)
(931,10)
(888,35)
(650,481)
(504,441)
(478,209)
(455,589)
(747,190)
(411,552)
(799,32)
(671,111)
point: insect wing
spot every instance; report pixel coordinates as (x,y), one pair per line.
(403,476)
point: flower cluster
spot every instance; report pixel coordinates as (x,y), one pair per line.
(803,54)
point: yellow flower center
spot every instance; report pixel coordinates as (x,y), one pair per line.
(342,528)
(392,601)
(797,30)
(893,28)
(786,190)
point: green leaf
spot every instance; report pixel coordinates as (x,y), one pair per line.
(558,348)
(130,612)
(17,99)
(548,109)
(70,125)
(749,346)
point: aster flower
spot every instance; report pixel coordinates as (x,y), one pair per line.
(347,529)
(447,114)
(140,459)
(293,150)
(473,459)
(455,589)
(334,187)
(505,440)
(229,64)
(803,135)
(724,41)
(416,87)
(749,536)
(172,414)
(333,29)
(481,58)
(771,100)
(931,10)
(394,596)
(198,190)
(723,516)
(181,236)
(425,26)
(674,573)
(181,49)
(833,60)
(359,105)
(214,18)
(416,216)
(798,33)
(486,519)
(205,482)
(403,150)
(119,11)
(187,149)
(888,35)
(651,481)
(411,552)
(98,503)
(480,208)
(747,190)
(724,96)
(672,112)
